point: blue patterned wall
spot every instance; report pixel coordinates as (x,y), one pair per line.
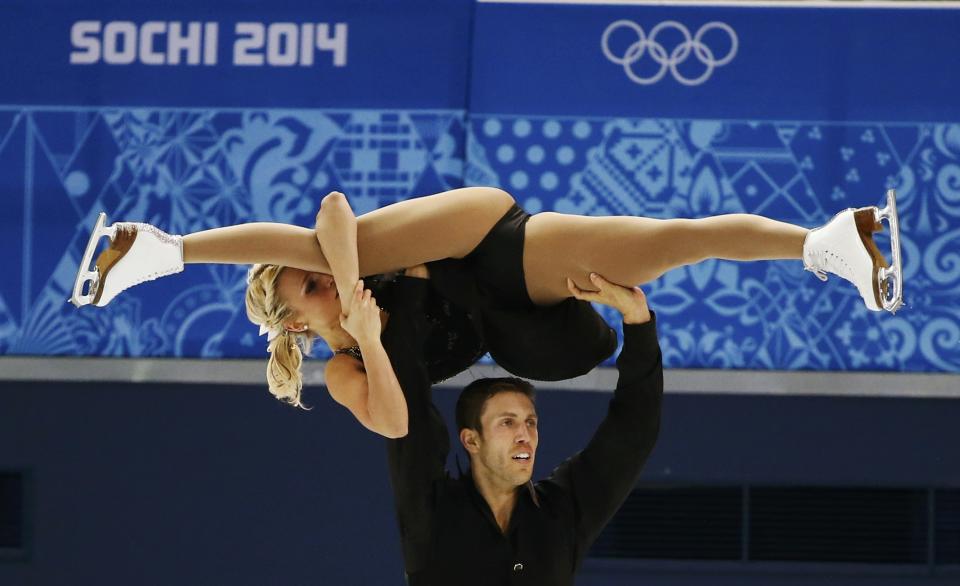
(560,127)
(766,315)
(188,170)
(790,112)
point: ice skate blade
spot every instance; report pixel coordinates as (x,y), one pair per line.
(87,273)
(893,275)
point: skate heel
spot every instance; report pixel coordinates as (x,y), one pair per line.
(868,222)
(120,245)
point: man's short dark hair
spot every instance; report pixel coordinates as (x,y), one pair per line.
(475,395)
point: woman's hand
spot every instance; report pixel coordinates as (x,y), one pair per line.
(630,301)
(363,321)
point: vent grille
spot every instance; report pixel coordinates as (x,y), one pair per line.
(947,523)
(838,525)
(678,523)
(11,511)
(786,524)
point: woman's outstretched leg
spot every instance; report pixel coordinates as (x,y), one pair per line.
(633,251)
(408,233)
(403,234)
(257,242)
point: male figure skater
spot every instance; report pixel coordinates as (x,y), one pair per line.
(493,525)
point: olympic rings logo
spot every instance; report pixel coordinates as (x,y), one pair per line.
(669,61)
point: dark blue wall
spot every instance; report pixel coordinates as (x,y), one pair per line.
(163,484)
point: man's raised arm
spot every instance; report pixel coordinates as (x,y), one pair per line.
(416,461)
(600,477)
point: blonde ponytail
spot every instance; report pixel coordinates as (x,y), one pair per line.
(284,376)
(264,307)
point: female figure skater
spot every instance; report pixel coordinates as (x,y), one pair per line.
(501,280)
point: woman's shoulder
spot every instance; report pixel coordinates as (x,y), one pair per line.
(342,375)
(343,364)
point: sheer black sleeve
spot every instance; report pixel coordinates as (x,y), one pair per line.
(416,461)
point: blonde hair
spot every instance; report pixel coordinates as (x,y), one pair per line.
(264,307)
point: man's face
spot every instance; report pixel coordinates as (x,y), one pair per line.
(507,447)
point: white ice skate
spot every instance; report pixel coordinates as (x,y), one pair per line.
(137,253)
(844,246)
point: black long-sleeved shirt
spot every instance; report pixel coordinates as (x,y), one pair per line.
(448,531)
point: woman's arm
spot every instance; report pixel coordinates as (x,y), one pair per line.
(348,385)
(336,232)
(369,390)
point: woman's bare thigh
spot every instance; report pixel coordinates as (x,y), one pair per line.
(424,229)
(625,250)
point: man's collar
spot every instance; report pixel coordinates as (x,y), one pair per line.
(466,476)
(533,493)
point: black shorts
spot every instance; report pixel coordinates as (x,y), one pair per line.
(497,262)
(553,342)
